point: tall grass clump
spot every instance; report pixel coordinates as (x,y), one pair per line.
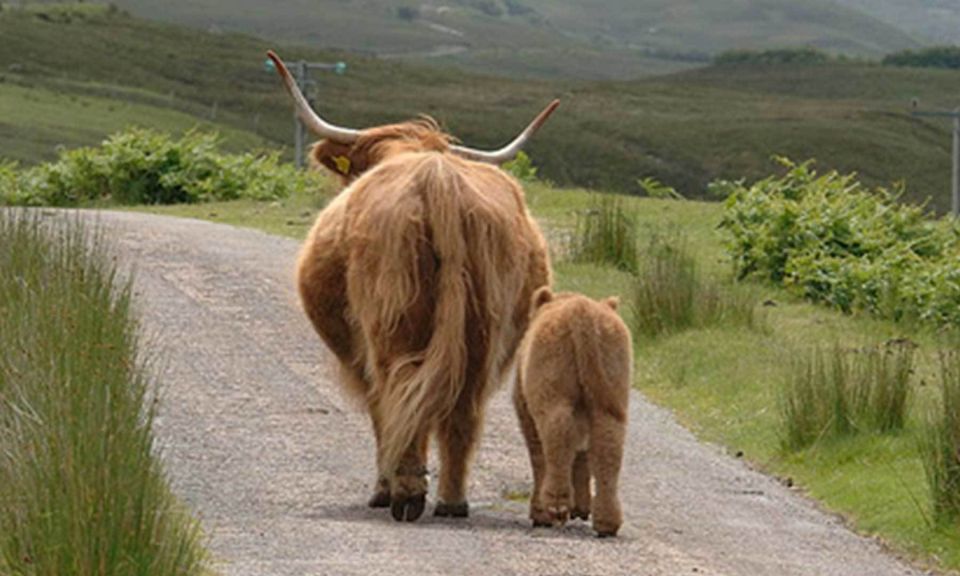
(941,445)
(81,490)
(845,391)
(670,294)
(607,234)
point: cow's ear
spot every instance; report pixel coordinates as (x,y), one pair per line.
(542,296)
(341,159)
(613,302)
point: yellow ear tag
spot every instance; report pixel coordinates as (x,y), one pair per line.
(343,164)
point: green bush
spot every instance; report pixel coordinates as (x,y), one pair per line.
(146,167)
(775,56)
(846,391)
(82,491)
(844,245)
(934,57)
(521,167)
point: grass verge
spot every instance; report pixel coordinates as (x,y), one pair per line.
(81,489)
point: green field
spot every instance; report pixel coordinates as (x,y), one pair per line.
(684,129)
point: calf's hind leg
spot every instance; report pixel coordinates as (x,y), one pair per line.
(557,433)
(606,455)
(535,450)
(581,487)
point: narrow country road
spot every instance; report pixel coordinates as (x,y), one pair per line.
(261,444)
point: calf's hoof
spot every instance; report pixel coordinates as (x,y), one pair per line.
(408,509)
(581,514)
(606,529)
(458,510)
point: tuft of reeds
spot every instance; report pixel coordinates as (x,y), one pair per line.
(845,391)
(607,234)
(81,490)
(940,448)
(670,294)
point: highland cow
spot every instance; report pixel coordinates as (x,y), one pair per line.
(419,276)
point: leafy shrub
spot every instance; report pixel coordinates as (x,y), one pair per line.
(408,13)
(846,246)
(653,188)
(670,294)
(776,56)
(521,167)
(607,234)
(934,57)
(146,167)
(846,391)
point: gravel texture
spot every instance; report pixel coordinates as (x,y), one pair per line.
(262,445)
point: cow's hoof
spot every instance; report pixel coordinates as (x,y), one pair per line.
(606,534)
(379,499)
(408,509)
(459,510)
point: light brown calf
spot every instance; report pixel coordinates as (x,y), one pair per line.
(573,385)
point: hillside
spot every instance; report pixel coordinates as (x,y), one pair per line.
(934,21)
(101,71)
(590,39)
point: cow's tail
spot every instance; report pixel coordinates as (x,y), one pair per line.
(424,388)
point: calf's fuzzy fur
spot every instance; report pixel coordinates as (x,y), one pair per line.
(571,397)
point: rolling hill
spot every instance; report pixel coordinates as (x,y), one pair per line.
(590,39)
(934,21)
(70,78)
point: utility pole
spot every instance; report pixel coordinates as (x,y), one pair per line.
(301,73)
(955,114)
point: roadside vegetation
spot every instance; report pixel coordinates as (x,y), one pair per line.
(730,379)
(148,167)
(82,490)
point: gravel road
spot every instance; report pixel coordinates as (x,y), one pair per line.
(278,464)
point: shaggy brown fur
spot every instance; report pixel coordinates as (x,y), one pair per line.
(573,386)
(419,277)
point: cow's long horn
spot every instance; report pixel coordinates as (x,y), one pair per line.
(311,119)
(509,151)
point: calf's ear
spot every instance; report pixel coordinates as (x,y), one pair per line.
(542,296)
(613,302)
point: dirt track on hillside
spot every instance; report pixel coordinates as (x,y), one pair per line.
(278,465)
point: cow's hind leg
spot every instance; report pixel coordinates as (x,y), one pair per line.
(408,488)
(381,491)
(606,455)
(457,438)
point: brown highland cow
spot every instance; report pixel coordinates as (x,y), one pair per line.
(573,385)
(419,277)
